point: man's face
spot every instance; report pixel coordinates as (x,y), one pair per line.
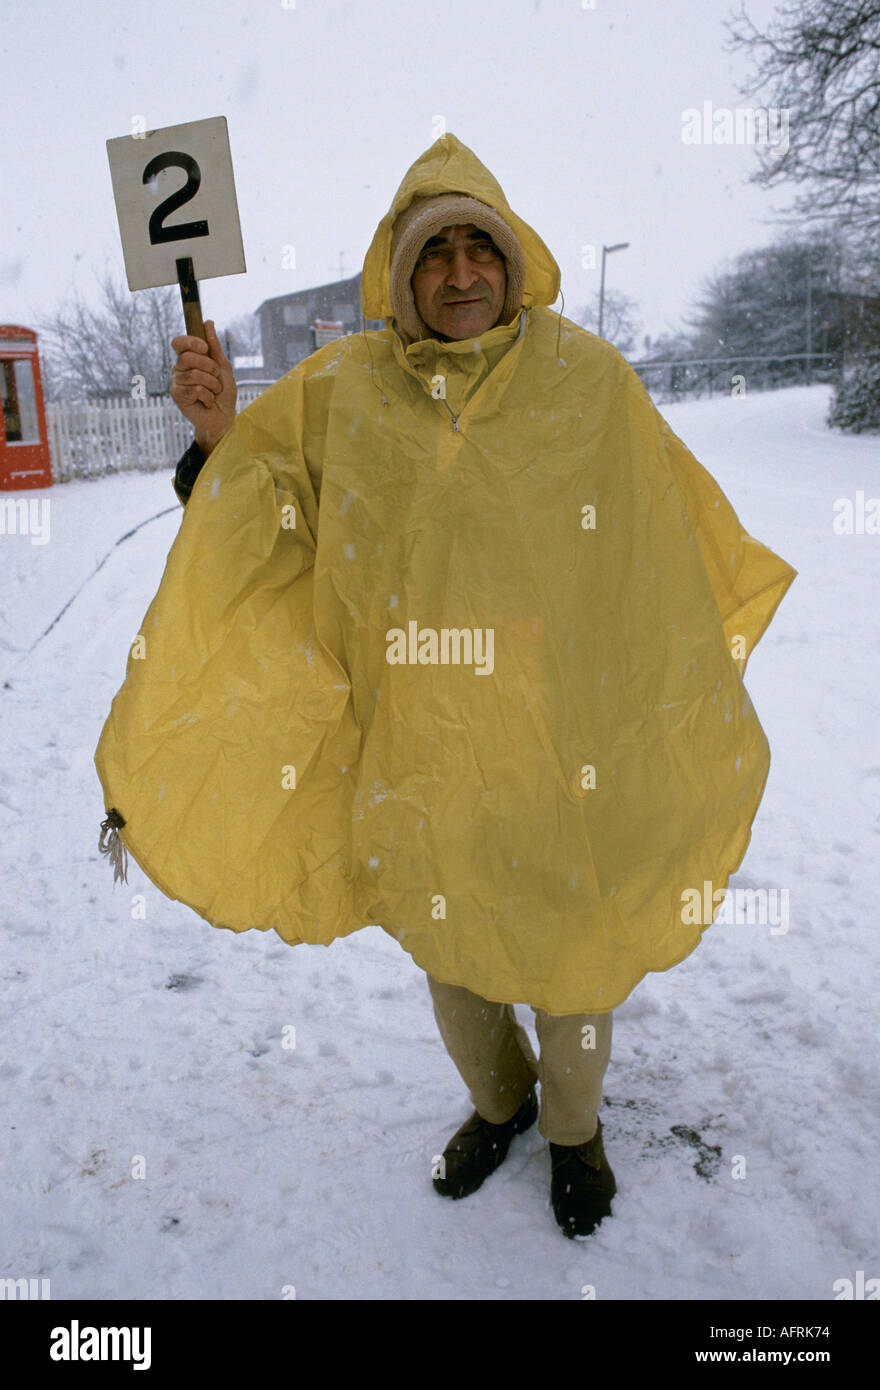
(459,282)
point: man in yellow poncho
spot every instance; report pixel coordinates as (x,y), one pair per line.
(451,639)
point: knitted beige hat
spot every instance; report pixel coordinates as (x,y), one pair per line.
(423,219)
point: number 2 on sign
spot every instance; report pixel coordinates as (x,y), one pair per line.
(174,159)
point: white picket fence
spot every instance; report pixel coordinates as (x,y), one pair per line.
(88,439)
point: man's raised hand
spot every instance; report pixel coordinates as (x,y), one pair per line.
(203,387)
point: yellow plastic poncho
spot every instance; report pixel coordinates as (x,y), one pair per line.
(468,667)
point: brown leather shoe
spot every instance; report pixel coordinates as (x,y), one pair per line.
(581,1186)
(478,1148)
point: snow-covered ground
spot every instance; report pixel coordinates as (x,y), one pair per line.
(159,1042)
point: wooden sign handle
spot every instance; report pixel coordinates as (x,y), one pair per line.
(189,293)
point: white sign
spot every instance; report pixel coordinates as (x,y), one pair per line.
(175,196)
(327,331)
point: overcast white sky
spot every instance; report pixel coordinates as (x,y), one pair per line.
(577,112)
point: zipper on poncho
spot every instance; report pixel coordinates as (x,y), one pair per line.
(433,397)
(522,324)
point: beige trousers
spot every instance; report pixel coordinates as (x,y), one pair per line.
(496,1061)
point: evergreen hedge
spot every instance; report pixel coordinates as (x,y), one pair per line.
(856,404)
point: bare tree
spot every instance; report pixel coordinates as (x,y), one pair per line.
(244,337)
(621,322)
(119,347)
(671,345)
(820,61)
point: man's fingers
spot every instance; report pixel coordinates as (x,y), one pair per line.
(206,373)
(187,342)
(192,395)
(187,361)
(185,381)
(213,340)
(201,375)
(187,395)
(194,352)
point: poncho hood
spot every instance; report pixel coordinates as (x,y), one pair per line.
(448,166)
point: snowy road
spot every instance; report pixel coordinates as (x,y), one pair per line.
(155,1045)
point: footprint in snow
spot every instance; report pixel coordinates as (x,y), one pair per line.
(182,982)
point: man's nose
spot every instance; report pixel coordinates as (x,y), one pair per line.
(462,272)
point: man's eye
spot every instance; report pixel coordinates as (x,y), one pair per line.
(441,255)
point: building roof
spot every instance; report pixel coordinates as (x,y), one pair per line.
(310,290)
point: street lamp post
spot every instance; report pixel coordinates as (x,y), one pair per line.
(606,251)
(822,269)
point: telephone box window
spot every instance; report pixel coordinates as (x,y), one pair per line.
(19,402)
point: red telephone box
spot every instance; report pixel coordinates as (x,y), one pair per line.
(24,442)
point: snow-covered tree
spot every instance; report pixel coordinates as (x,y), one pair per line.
(779,299)
(121,345)
(820,61)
